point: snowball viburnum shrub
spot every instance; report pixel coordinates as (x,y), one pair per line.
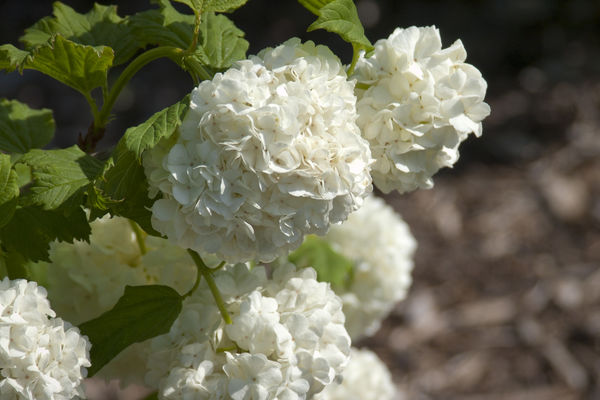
(41,357)
(379,243)
(268,152)
(272,148)
(366,377)
(286,341)
(416,103)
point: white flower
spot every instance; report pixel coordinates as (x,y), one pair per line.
(268,152)
(287,339)
(86,279)
(40,357)
(381,246)
(252,376)
(422,101)
(257,326)
(366,377)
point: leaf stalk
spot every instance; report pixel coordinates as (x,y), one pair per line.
(355,56)
(206,272)
(170,52)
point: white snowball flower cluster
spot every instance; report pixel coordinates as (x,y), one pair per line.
(366,377)
(41,357)
(95,275)
(381,246)
(268,152)
(286,341)
(422,101)
(97,272)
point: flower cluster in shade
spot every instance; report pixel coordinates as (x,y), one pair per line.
(379,243)
(96,273)
(366,377)
(286,341)
(416,103)
(41,357)
(268,152)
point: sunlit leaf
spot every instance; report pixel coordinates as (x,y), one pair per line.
(101,26)
(341,17)
(79,66)
(205,6)
(220,42)
(160,125)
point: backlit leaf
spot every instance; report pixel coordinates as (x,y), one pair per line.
(101,26)
(79,66)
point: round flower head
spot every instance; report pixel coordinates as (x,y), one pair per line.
(286,341)
(381,246)
(41,358)
(268,152)
(366,377)
(422,101)
(96,273)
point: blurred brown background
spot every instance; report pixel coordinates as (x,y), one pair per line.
(505,303)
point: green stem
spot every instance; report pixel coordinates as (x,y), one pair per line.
(197,20)
(139,236)
(93,106)
(207,274)
(173,53)
(355,57)
(230,348)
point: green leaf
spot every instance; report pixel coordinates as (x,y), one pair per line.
(341,17)
(219,45)
(9,190)
(123,189)
(101,26)
(143,312)
(331,266)
(221,42)
(23,173)
(23,128)
(204,6)
(79,66)
(60,177)
(164,26)
(32,228)
(15,265)
(160,125)
(11,57)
